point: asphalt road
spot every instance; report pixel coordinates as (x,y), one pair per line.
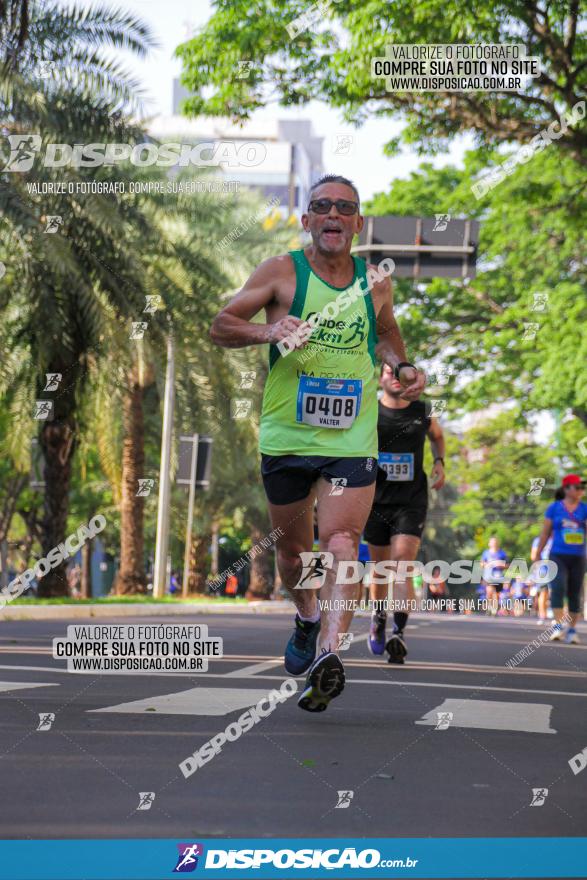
(82,777)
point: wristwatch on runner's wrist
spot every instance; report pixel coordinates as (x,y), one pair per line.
(440,459)
(400,366)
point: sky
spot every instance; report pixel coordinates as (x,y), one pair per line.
(170,22)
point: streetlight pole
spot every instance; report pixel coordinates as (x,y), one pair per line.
(162,542)
(188,533)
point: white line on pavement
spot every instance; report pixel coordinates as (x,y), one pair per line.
(474,668)
(247,671)
(492,715)
(379,682)
(22,685)
(195,701)
(460,687)
(495,640)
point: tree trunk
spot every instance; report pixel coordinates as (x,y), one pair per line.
(57,442)
(34,529)
(261,582)
(86,579)
(131,576)
(3,563)
(198,564)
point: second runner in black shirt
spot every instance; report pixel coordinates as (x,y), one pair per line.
(396,522)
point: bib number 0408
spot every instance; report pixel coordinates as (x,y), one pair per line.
(328,403)
(330,407)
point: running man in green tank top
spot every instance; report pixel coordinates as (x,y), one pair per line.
(328,315)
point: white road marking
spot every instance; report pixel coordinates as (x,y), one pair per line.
(195,701)
(23,685)
(376,681)
(460,687)
(493,715)
(497,640)
(247,671)
(476,668)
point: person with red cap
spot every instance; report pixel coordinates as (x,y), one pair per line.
(565,519)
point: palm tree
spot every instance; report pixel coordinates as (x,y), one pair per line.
(59,289)
(15,15)
(65,315)
(194,275)
(183,267)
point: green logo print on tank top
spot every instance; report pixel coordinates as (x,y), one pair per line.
(322,399)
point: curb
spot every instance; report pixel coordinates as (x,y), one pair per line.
(283,606)
(80,612)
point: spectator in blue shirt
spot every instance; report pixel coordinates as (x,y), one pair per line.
(494,562)
(565,520)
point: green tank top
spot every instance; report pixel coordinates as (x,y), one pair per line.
(322,399)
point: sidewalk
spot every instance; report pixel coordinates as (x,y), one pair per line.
(167,609)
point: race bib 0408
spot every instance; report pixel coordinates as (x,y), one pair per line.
(328,403)
(399,466)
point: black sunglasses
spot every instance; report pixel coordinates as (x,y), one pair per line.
(343,206)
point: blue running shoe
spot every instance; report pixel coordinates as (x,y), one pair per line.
(301,648)
(571,637)
(325,681)
(376,640)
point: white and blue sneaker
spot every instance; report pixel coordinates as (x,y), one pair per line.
(301,648)
(571,637)
(557,633)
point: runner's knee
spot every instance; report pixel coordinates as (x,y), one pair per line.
(343,544)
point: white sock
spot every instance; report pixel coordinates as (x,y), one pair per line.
(314,618)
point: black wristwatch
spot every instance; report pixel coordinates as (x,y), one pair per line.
(440,459)
(399,367)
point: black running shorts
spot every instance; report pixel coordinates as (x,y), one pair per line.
(289,478)
(388,520)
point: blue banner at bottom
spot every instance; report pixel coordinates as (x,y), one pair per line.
(274,859)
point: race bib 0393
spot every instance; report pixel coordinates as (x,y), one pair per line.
(399,466)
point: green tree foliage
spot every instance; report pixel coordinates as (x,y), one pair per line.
(499,461)
(329,59)
(61,87)
(442,539)
(67,300)
(488,331)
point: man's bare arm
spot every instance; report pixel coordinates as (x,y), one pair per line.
(233,327)
(436,437)
(390,346)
